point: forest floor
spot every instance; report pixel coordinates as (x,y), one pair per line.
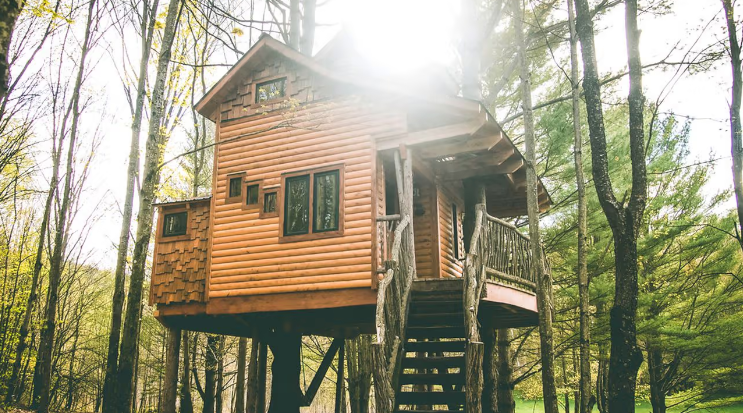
(535,406)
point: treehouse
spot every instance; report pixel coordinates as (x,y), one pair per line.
(344,203)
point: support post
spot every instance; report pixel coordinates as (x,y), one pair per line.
(172,357)
(286,395)
(339,387)
(262,370)
(474,194)
(473,378)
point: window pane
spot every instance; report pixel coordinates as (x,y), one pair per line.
(235,185)
(326,202)
(270,90)
(175,224)
(297,205)
(269,202)
(251,198)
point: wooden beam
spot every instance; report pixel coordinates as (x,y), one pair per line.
(466,144)
(508,167)
(433,134)
(483,160)
(348,297)
(327,360)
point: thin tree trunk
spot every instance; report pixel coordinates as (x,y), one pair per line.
(210,372)
(43,370)
(110,382)
(252,394)
(172,356)
(359,362)
(736,134)
(470,51)
(625,358)
(584,384)
(219,388)
(186,400)
(308,27)
(242,355)
(505,400)
(295,24)
(655,376)
(543,277)
(150,181)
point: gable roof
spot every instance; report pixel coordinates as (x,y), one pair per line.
(267,45)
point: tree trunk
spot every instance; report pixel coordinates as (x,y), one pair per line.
(286,395)
(242,354)
(340,381)
(359,372)
(543,277)
(584,383)
(736,134)
(655,375)
(490,371)
(43,370)
(9,10)
(172,356)
(308,27)
(505,400)
(624,221)
(252,396)
(295,24)
(110,382)
(150,181)
(602,378)
(219,389)
(186,400)
(210,373)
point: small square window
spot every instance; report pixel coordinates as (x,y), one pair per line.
(273,89)
(251,197)
(235,187)
(269,202)
(175,224)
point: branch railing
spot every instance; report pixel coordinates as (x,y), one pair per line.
(392,302)
(386,226)
(509,259)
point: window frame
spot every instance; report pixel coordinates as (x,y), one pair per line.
(259,82)
(457,235)
(170,210)
(262,198)
(311,234)
(239,198)
(244,198)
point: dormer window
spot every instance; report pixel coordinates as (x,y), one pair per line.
(270,90)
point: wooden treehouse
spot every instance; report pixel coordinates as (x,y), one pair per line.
(345,204)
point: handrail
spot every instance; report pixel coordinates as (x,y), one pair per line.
(389,276)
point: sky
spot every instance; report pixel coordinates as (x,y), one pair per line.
(421,32)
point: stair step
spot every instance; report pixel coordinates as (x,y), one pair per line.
(432,378)
(435,346)
(432,362)
(436,332)
(442,306)
(430,398)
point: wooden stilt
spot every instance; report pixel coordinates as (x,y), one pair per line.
(286,395)
(339,388)
(172,357)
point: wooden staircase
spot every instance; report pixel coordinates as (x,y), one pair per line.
(433,365)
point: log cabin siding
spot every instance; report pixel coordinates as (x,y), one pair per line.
(179,269)
(426,239)
(448,194)
(247,257)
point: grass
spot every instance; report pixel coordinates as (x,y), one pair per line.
(535,406)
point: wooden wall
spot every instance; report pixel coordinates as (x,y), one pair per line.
(424,227)
(448,194)
(247,257)
(179,270)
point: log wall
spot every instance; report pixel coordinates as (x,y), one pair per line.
(448,194)
(180,266)
(424,225)
(248,257)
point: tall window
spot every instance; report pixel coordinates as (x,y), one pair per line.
(297,205)
(235,187)
(325,214)
(456,233)
(312,204)
(273,89)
